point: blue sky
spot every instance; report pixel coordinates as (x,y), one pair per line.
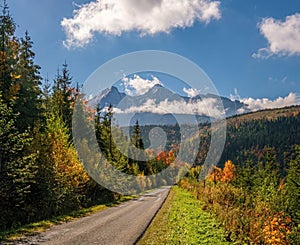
(249,47)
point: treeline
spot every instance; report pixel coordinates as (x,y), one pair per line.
(132,156)
(249,136)
(252,201)
(40,173)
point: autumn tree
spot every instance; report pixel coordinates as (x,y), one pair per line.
(216,174)
(69,174)
(293,188)
(228,171)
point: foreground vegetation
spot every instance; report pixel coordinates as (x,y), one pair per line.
(182,221)
(252,202)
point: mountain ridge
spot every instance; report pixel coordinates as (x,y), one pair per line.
(159,96)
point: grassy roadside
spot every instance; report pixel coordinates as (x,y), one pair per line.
(41,226)
(182,221)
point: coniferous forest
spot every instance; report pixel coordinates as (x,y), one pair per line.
(40,172)
(253,190)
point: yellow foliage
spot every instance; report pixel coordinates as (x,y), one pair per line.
(68,169)
(141,181)
(276,228)
(225,175)
(216,174)
(228,171)
(14,76)
(170,157)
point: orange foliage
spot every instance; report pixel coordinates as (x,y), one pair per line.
(216,174)
(171,157)
(225,175)
(162,156)
(276,228)
(228,171)
(166,157)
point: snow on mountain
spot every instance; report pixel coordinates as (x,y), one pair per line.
(162,106)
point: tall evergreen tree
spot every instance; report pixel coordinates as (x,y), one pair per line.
(137,141)
(136,136)
(9,48)
(28,102)
(17,171)
(293,188)
(64,95)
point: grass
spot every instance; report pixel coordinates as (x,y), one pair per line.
(182,221)
(41,226)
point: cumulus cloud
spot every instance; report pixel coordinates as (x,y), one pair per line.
(259,104)
(191,92)
(148,17)
(283,37)
(138,85)
(207,107)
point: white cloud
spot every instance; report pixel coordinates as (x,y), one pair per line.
(283,37)
(259,104)
(138,86)
(148,17)
(191,92)
(235,96)
(208,107)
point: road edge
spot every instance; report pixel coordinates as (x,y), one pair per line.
(150,222)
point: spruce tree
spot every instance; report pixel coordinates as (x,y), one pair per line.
(17,171)
(64,95)
(136,136)
(137,141)
(9,49)
(293,188)
(28,102)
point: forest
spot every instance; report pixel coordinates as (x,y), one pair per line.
(41,175)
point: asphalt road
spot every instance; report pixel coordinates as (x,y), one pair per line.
(122,224)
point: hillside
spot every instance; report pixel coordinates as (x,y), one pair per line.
(268,114)
(248,136)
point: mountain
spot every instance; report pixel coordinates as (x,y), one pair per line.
(162,106)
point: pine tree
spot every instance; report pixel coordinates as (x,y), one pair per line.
(137,141)
(293,188)
(28,102)
(136,136)
(9,49)
(64,95)
(17,171)
(106,136)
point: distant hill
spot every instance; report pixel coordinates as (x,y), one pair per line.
(249,136)
(267,114)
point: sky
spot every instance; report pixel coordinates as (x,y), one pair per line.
(250,49)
